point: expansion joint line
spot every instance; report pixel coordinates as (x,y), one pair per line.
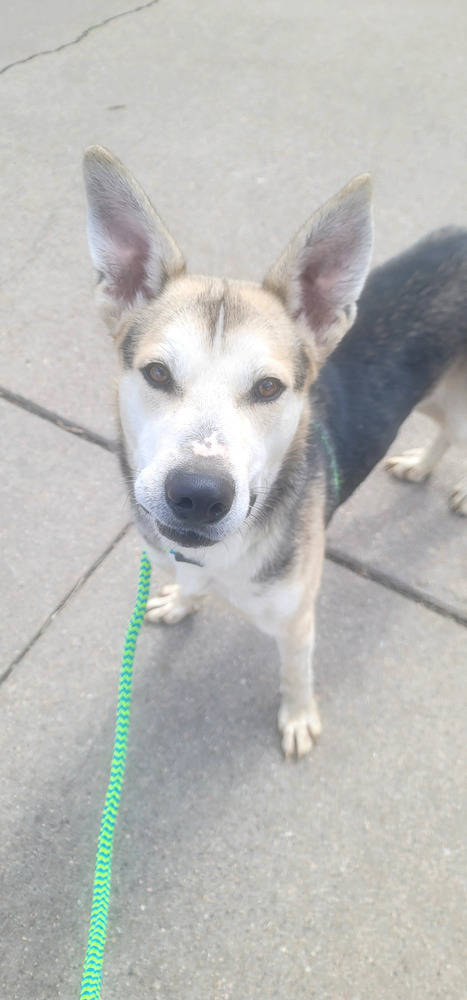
(54,418)
(71,593)
(410,593)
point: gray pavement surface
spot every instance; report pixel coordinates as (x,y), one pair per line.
(235,875)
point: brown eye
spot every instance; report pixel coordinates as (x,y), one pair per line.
(268,388)
(157,374)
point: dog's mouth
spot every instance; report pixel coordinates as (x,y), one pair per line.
(187,539)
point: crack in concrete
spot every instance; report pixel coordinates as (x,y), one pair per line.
(79,38)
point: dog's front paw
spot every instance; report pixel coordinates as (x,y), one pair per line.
(458,500)
(299,728)
(409,466)
(170,605)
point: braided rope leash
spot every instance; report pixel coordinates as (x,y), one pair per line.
(92,971)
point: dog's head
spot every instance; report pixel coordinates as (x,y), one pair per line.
(213,389)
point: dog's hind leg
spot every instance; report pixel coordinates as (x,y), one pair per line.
(447,406)
(417,464)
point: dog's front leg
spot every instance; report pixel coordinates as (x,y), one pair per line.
(175,601)
(293,627)
(299,721)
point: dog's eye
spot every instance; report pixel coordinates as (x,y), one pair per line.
(157,374)
(268,388)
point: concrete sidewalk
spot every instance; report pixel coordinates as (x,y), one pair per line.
(235,875)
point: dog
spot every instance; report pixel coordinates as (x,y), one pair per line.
(250,412)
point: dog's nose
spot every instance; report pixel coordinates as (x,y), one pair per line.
(199,498)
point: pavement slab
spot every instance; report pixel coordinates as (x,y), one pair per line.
(62,505)
(235,873)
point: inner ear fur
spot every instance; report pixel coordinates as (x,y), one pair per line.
(321,273)
(131,249)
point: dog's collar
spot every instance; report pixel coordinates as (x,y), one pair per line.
(326,441)
(179,558)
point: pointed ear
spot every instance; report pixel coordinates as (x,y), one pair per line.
(322,272)
(132,251)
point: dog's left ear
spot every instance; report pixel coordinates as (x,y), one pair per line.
(321,274)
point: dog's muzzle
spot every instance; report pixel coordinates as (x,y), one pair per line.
(191,506)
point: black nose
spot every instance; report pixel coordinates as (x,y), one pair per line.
(198,498)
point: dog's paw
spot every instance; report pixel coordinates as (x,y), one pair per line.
(170,605)
(299,728)
(458,499)
(409,465)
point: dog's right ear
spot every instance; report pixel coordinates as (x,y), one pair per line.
(132,251)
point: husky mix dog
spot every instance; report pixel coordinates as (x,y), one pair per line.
(249,412)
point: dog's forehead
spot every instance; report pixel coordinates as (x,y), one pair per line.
(212,312)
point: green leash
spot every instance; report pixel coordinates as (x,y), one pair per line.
(92,972)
